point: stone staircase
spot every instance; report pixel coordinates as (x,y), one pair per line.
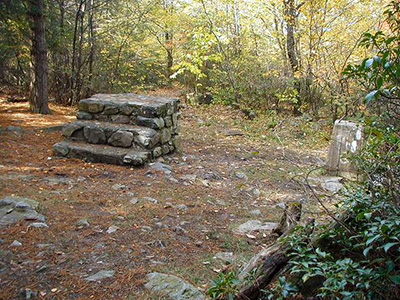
(122,129)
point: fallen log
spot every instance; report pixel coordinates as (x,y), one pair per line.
(270,261)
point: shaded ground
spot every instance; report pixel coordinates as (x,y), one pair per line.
(199,203)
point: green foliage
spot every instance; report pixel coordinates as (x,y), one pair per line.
(380,74)
(281,290)
(224,286)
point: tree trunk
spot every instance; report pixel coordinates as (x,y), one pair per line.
(290,13)
(38,99)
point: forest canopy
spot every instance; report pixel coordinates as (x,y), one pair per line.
(266,55)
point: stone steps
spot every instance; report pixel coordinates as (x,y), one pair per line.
(122,129)
(101,153)
(117,135)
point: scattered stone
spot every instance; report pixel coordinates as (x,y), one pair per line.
(38,225)
(229,132)
(241,175)
(181,206)
(146,228)
(83,223)
(14,128)
(16,244)
(134,201)
(256,192)
(172,287)
(14,209)
(28,294)
(112,229)
(332,184)
(255,225)
(119,187)
(226,257)
(190,177)
(152,200)
(159,166)
(255,212)
(100,275)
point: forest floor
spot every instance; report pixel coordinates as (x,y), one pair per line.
(199,203)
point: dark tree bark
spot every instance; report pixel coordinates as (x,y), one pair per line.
(38,86)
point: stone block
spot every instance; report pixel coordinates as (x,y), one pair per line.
(157,152)
(94,135)
(70,128)
(165,135)
(111,110)
(91,105)
(346,139)
(136,158)
(165,149)
(122,119)
(121,139)
(155,123)
(82,115)
(168,121)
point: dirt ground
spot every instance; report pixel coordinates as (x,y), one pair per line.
(191,221)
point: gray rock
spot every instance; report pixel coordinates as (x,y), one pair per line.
(255,225)
(176,141)
(120,119)
(111,110)
(146,137)
(15,244)
(229,132)
(100,275)
(38,225)
(14,209)
(14,128)
(27,294)
(60,149)
(126,110)
(157,152)
(225,257)
(241,175)
(155,123)
(168,121)
(347,137)
(134,201)
(119,187)
(94,135)
(70,128)
(255,212)
(181,207)
(112,229)
(152,200)
(121,139)
(91,105)
(172,287)
(158,166)
(83,115)
(136,158)
(83,222)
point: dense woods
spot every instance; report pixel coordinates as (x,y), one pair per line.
(271,62)
(267,55)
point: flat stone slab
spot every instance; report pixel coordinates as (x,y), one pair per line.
(172,287)
(129,103)
(101,153)
(14,209)
(101,275)
(255,225)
